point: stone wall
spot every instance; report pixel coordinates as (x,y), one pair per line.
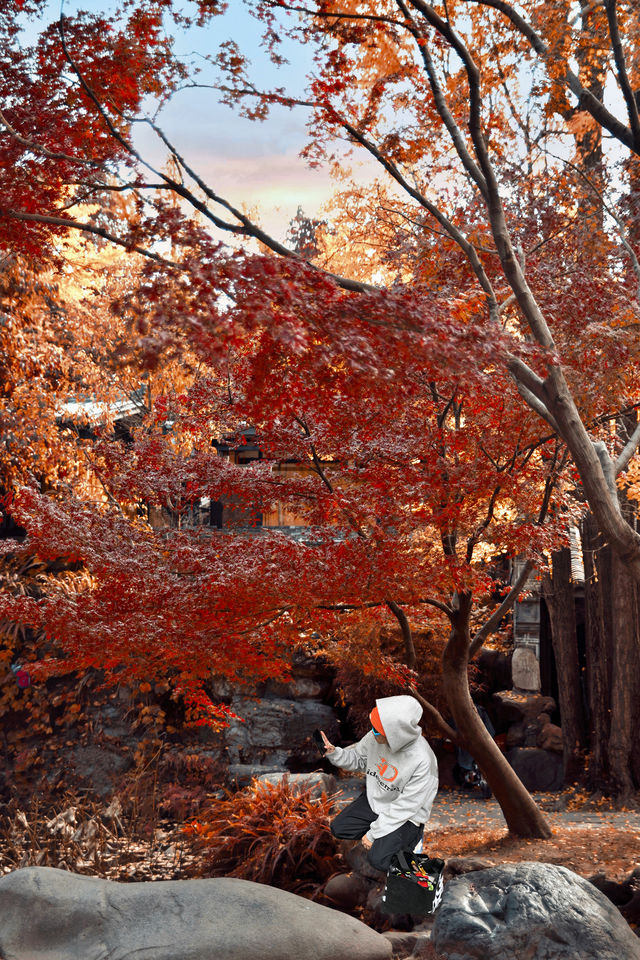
(279,720)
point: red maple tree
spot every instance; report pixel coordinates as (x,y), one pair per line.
(397,397)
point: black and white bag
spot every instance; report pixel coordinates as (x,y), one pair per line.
(414,884)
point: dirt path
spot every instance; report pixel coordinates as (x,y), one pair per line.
(453,808)
(462,809)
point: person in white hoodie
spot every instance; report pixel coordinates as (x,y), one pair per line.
(401,781)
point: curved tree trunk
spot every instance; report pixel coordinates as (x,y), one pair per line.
(521,813)
(558,591)
(407,635)
(600,491)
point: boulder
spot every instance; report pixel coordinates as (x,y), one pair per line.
(305,664)
(347,890)
(532,911)
(100,768)
(297,689)
(495,669)
(456,866)
(532,730)
(515,736)
(241,774)
(355,856)
(318,782)
(49,914)
(550,738)
(538,769)
(513,706)
(415,944)
(625,893)
(528,733)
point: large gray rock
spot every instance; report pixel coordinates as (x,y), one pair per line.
(100,768)
(530,911)
(538,769)
(48,914)
(277,731)
(241,774)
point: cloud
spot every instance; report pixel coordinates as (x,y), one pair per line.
(247,163)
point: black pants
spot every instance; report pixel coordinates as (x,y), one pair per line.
(355,820)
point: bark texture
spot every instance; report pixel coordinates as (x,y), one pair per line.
(613,661)
(523,816)
(597,568)
(559,594)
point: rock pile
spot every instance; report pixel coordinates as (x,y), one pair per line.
(534,744)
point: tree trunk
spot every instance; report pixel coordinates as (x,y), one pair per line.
(523,817)
(407,635)
(613,651)
(625,675)
(592,57)
(600,496)
(559,594)
(597,632)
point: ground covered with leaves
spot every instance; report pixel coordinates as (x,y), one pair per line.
(585,850)
(589,836)
(87,837)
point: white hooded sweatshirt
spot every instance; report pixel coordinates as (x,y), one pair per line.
(402,774)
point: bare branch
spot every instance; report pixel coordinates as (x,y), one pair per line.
(244,227)
(621,69)
(508,258)
(474,539)
(491,625)
(506,303)
(608,470)
(532,401)
(432,602)
(337,15)
(551,481)
(85,228)
(43,151)
(523,373)
(401,617)
(453,232)
(635,263)
(628,451)
(316,459)
(441,105)
(436,717)
(343,607)
(586,99)
(92,188)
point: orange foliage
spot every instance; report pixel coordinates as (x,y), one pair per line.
(269,833)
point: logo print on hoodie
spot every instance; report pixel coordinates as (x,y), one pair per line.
(383,766)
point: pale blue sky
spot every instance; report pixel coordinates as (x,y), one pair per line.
(255,164)
(247,162)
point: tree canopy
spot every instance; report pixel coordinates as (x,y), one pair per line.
(434,377)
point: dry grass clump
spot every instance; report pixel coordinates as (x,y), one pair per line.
(89,838)
(271,833)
